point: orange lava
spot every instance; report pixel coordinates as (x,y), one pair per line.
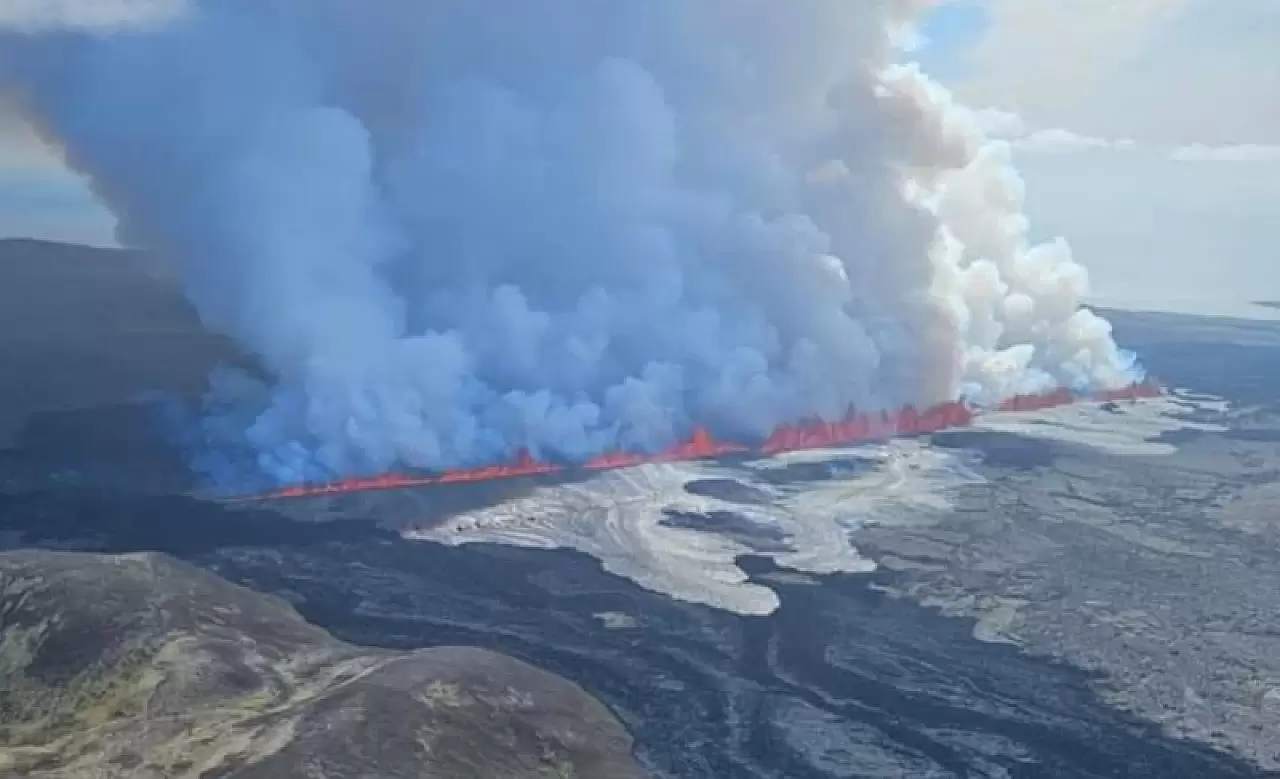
(855,428)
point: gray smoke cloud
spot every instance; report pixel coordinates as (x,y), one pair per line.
(452,228)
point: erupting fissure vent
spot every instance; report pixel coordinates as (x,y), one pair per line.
(855,428)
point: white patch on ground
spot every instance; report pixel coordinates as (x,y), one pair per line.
(616,620)
(912,478)
(1202,401)
(617,516)
(1131,432)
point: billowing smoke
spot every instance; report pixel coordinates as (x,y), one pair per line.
(451,228)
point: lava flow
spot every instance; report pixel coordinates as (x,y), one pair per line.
(857,427)
(525,465)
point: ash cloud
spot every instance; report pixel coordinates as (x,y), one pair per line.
(452,229)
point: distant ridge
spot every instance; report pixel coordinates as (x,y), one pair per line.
(83,327)
(20,250)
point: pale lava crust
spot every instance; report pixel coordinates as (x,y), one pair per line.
(618,516)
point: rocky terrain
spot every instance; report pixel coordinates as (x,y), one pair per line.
(144,666)
(1160,572)
(1075,596)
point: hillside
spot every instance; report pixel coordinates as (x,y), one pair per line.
(88,327)
(145,667)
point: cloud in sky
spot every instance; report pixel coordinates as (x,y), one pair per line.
(20,148)
(1011,127)
(1172,72)
(1147,130)
(1154,230)
(1242,152)
(1064,141)
(1148,133)
(103,15)
(39,196)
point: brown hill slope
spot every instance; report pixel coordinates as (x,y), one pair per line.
(143,666)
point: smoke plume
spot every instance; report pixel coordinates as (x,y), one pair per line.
(452,228)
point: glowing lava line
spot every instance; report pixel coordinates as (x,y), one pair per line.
(855,428)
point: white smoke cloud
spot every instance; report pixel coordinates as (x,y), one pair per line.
(454,228)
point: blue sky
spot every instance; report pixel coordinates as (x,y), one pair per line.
(1148,132)
(950,29)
